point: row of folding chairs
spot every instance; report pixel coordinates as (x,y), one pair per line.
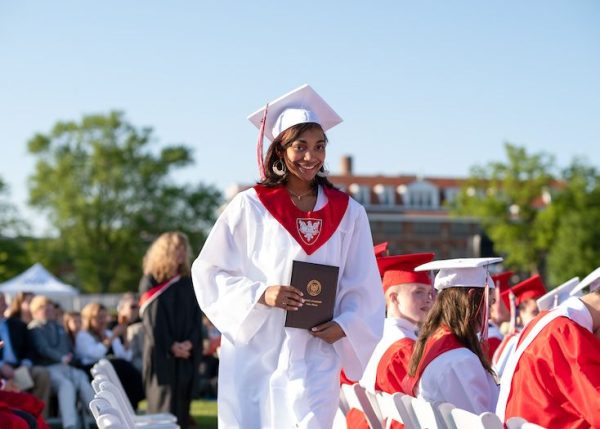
(381,408)
(112,409)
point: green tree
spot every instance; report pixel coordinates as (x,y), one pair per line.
(13,255)
(507,197)
(574,216)
(108,195)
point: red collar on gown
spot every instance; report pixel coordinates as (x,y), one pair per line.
(310,229)
(443,340)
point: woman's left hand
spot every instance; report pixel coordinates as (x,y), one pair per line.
(329,331)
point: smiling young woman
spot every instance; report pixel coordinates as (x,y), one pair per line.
(270,375)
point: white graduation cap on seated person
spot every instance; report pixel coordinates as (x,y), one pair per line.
(465,272)
(592,280)
(302,105)
(558,295)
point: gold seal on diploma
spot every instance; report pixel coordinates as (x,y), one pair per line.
(313,287)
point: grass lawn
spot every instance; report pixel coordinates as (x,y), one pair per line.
(204,412)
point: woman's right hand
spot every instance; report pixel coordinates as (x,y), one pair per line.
(285,297)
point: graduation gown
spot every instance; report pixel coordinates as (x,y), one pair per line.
(269,375)
(170,315)
(503,353)
(388,365)
(449,372)
(553,378)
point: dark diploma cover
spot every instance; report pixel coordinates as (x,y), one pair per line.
(318,283)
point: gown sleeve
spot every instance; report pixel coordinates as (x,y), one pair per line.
(576,360)
(362,305)
(225,294)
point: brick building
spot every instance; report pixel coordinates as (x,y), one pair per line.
(410,213)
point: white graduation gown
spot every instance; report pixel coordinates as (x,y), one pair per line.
(393,330)
(457,376)
(507,352)
(271,376)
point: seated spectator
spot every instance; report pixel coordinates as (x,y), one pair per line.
(95,342)
(20,410)
(17,356)
(128,314)
(55,352)
(72,324)
(19,307)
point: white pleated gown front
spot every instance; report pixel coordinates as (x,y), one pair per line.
(271,376)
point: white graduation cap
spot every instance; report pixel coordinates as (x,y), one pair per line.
(299,106)
(557,295)
(592,280)
(464,272)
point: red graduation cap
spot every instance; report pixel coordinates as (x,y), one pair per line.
(502,283)
(399,269)
(381,249)
(531,288)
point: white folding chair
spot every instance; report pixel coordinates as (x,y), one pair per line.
(389,410)
(109,392)
(515,423)
(427,415)
(343,404)
(466,419)
(444,410)
(106,417)
(357,398)
(104,368)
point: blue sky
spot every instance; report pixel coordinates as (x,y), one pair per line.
(428,87)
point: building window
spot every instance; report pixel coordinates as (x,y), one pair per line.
(360,193)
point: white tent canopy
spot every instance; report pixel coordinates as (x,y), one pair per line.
(38,281)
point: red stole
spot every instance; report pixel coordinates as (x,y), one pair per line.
(151,295)
(393,366)
(492,345)
(310,229)
(443,340)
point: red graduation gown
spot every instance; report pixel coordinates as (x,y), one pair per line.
(556,383)
(392,369)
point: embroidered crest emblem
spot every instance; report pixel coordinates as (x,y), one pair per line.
(309,229)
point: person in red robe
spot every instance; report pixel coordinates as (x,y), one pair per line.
(553,377)
(499,311)
(525,298)
(409,296)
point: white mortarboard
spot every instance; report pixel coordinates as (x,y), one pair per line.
(299,106)
(557,295)
(592,280)
(464,272)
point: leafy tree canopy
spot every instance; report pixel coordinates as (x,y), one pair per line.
(108,195)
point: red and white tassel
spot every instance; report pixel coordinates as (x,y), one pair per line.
(259,146)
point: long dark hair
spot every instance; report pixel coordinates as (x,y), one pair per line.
(276,152)
(461,313)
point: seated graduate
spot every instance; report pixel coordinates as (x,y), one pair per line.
(448,363)
(409,296)
(522,299)
(499,311)
(553,377)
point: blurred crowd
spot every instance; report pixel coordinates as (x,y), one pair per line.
(47,353)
